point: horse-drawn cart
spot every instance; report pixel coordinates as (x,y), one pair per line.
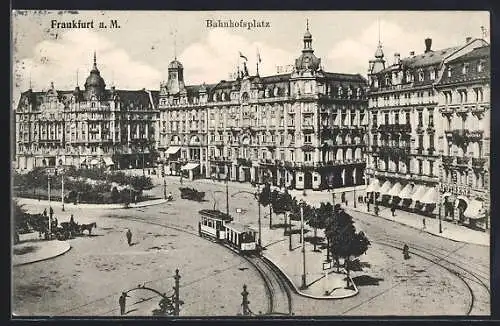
(192,194)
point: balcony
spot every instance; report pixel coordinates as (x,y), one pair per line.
(479,108)
(374,128)
(446,109)
(448,160)
(476,135)
(431,150)
(395,128)
(420,129)
(308,128)
(463,161)
(431,129)
(462,109)
(307,148)
(478,163)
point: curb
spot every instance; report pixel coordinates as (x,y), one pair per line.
(101,206)
(356,291)
(68,248)
(417,228)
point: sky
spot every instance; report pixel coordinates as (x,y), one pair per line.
(137,54)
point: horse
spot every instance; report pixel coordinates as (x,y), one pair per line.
(88,227)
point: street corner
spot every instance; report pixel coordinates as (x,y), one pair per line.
(35,251)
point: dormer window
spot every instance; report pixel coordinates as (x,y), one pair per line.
(340,91)
(449,71)
(408,76)
(421,75)
(358,92)
(214,97)
(266,92)
(349,92)
(465,68)
(480,66)
(432,74)
(223,96)
(387,80)
(275,91)
(92,105)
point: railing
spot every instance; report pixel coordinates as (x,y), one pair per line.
(476,135)
(448,160)
(463,160)
(406,128)
(478,162)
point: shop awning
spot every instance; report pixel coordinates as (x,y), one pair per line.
(190,166)
(385,188)
(474,210)
(406,192)
(430,197)
(108,161)
(419,193)
(94,162)
(374,186)
(395,190)
(172,149)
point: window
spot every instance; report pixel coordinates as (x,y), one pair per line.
(292,155)
(386,117)
(432,74)
(408,76)
(431,119)
(308,157)
(431,141)
(407,118)
(420,141)
(480,66)
(420,119)
(420,166)
(396,118)
(307,139)
(465,68)
(421,75)
(374,118)
(449,71)
(431,168)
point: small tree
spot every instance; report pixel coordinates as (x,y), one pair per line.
(317,221)
(265,200)
(338,228)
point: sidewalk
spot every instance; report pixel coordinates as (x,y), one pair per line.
(450,230)
(33,251)
(58,204)
(321,283)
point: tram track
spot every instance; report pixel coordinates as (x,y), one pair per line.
(479,291)
(275,283)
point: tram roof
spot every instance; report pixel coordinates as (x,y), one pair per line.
(216,214)
(239,228)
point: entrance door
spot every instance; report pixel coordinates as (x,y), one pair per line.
(307,180)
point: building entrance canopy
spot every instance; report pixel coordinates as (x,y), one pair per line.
(172,150)
(374,186)
(190,166)
(474,210)
(430,197)
(419,193)
(385,188)
(395,190)
(406,192)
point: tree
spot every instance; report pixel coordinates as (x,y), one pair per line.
(345,242)
(265,200)
(317,221)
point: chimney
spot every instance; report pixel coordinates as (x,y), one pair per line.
(397,58)
(468,39)
(412,54)
(428,44)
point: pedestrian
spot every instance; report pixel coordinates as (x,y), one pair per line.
(376,209)
(122,301)
(181,178)
(342,197)
(71,220)
(51,212)
(129,237)
(423,223)
(45,212)
(406,252)
(393,210)
(346,203)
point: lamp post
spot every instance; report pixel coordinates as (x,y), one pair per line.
(227,195)
(304,283)
(62,190)
(48,188)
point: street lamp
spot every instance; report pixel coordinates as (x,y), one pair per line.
(304,283)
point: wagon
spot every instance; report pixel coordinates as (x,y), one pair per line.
(192,194)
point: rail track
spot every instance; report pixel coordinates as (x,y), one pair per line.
(277,287)
(479,290)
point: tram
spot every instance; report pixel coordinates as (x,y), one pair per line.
(217,225)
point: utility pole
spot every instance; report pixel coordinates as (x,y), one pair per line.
(245,302)
(260,224)
(50,226)
(304,283)
(164,188)
(62,190)
(289,232)
(354,199)
(177,277)
(227,195)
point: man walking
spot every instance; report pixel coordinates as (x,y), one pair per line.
(129,237)
(423,222)
(122,302)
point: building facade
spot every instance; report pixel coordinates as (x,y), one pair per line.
(94,126)
(464,108)
(305,129)
(407,126)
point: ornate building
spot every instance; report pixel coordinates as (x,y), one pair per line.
(405,126)
(464,108)
(91,127)
(304,129)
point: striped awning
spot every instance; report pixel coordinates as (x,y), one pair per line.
(385,188)
(395,190)
(419,193)
(172,150)
(474,210)
(406,192)
(430,197)
(374,186)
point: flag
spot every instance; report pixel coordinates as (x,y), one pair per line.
(242,56)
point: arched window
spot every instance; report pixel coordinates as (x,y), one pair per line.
(449,71)
(266,92)
(214,97)
(421,75)
(340,91)
(358,92)
(245,97)
(408,76)
(276,91)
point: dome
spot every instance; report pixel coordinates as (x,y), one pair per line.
(94,80)
(175,65)
(379,53)
(307,35)
(307,61)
